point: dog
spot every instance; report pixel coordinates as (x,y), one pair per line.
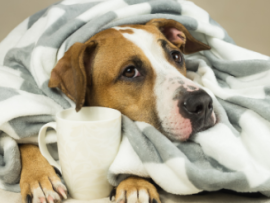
(140,71)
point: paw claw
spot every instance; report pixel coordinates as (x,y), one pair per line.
(29,199)
(51,196)
(50,199)
(154,201)
(112,194)
(62,193)
(42,199)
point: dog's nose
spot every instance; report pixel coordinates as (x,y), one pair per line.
(198,103)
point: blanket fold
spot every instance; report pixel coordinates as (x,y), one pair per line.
(232,155)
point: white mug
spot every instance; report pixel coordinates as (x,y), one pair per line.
(88,142)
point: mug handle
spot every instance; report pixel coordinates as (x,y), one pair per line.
(43,147)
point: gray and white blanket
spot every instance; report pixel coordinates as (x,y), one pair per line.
(233,154)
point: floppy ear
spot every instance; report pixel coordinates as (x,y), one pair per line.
(177,34)
(69,74)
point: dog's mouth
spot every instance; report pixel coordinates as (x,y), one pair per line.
(185,129)
(204,124)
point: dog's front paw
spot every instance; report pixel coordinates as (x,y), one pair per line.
(42,190)
(136,190)
(39,183)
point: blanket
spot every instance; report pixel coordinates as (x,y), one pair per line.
(232,155)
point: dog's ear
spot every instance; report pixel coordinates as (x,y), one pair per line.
(177,34)
(70,75)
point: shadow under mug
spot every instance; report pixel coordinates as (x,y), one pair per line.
(88,142)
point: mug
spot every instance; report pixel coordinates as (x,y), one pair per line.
(88,142)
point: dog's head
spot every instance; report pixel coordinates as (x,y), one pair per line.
(139,70)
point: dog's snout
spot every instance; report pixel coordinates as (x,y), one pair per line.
(198,103)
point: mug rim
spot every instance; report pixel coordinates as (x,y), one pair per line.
(58,117)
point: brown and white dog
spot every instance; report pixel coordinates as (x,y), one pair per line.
(139,70)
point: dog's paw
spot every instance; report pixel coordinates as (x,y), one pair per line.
(39,182)
(42,190)
(136,190)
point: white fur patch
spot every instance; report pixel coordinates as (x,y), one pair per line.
(143,196)
(132,198)
(37,194)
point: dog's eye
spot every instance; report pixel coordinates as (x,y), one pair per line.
(176,55)
(131,72)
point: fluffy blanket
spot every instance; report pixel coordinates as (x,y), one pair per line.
(232,155)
